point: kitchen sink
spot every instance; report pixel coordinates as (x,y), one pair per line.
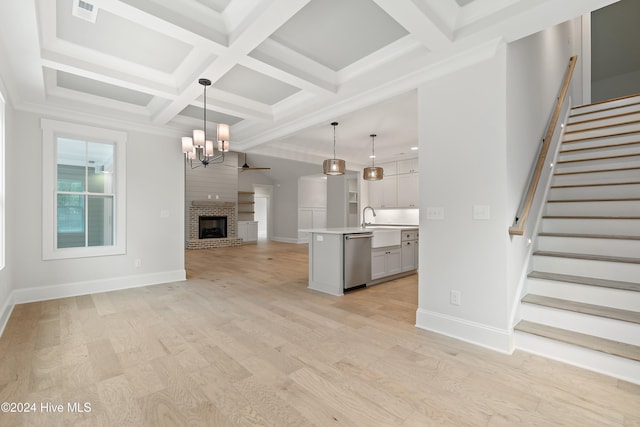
(385,237)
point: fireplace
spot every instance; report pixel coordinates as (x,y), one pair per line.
(212,227)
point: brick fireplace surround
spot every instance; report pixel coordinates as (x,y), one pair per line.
(200,208)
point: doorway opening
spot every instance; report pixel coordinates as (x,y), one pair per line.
(262,207)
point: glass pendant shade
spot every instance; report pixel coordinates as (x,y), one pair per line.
(187,144)
(372,173)
(334,167)
(191,155)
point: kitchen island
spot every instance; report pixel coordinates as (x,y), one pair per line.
(336,264)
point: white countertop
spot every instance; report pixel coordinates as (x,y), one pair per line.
(337,230)
(351,230)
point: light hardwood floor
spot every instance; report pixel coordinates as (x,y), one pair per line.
(244,342)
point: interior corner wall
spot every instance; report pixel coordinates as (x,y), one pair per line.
(6,274)
(463,155)
(155,216)
(536,66)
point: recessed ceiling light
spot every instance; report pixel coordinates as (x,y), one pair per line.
(372,157)
(414,148)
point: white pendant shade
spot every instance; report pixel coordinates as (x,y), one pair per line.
(209,148)
(198,137)
(223,132)
(187,144)
(223,146)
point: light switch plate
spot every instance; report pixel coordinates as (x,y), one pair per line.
(481,212)
(435,212)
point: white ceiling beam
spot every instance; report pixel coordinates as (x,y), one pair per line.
(423,24)
(258,25)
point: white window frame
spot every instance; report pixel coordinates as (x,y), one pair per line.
(51,130)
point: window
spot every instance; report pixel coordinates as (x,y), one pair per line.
(84,191)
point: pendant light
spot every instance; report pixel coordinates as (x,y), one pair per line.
(334,166)
(198,151)
(372,173)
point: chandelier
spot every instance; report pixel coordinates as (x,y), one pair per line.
(198,151)
(373,172)
(334,166)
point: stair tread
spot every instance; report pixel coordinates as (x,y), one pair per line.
(591,217)
(598,119)
(591,257)
(582,280)
(597,171)
(610,199)
(584,308)
(598,184)
(599,147)
(612,125)
(610,135)
(603,103)
(604,345)
(590,236)
(593,159)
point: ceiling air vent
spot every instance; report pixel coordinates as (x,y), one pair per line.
(84,10)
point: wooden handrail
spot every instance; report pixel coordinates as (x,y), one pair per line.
(518,228)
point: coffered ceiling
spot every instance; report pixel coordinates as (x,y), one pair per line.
(282,70)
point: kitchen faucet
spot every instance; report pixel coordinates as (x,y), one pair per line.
(364,210)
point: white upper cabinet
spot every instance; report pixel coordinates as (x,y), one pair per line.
(407,166)
(398,188)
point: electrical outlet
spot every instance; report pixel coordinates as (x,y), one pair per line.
(138,263)
(455,298)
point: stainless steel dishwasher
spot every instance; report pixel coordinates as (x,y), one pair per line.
(357,259)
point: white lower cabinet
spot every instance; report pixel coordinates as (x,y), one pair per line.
(248,231)
(409,249)
(385,262)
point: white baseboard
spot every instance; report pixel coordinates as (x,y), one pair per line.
(287,240)
(475,333)
(43,293)
(7,309)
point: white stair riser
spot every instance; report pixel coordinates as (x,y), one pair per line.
(593,133)
(596,295)
(625,208)
(599,164)
(609,247)
(617,119)
(593,226)
(620,271)
(581,116)
(602,327)
(595,192)
(617,367)
(606,105)
(596,177)
(603,151)
(600,142)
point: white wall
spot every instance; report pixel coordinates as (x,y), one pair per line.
(479,132)
(155,200)
(536,67)
(463,162)
(284,175)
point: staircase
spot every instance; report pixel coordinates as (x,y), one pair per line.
(582,302)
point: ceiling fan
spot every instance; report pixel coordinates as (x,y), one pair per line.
(246,167)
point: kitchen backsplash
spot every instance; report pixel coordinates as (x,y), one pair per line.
(396,216)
